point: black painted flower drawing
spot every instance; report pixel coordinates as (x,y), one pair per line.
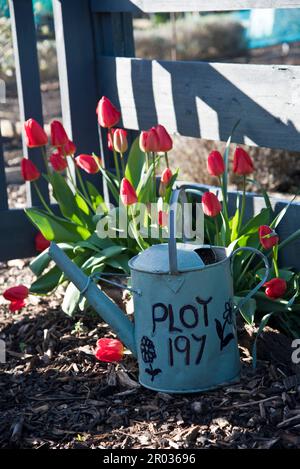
(227,316)
(148,356)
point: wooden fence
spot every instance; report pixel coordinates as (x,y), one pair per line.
(95,49)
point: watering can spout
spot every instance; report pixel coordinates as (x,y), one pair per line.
(111,314)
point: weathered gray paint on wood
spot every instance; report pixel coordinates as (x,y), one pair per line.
(77,74)
(152,6)
(28,82)
(17,235)
(205,100)
(3,191)
(114,37)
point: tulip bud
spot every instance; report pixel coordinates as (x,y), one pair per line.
(162,218)
(143,140)
(29,170)
(35,134)
(16,296)
(69,149)
(166,176)
(109,350)
(88,163)
(59,137)
(57,161)
(215,163)
(149,140)
(108,114)
(127,193)
(110,143)
(210,204)
(275,288)
(242,163)
(120,140)
(41,243)
(267,242)
(165,141)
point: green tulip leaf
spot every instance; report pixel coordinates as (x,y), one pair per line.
(71,300)
(135,164)
(56,229)
(47,282)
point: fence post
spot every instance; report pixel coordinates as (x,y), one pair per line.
(3,190)
(113,37)
(28,83)
(77,73)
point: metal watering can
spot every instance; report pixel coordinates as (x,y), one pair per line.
(184,331)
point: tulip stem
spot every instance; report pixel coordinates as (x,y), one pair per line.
(245,269)
(69,172)
(225,207)
(225,212)
(217,231)
(122,164)
(81,195)
(81,182)
(243,205)
(275,258)
(135,228)
(42,198)
(44,153)
(167,159)
(147,161)
(115,156)
(154,176)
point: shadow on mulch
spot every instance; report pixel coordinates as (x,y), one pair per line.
(53,394)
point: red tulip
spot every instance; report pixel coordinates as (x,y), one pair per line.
(57,161)
(127,193)
(35,134)
(166,176)
(88,163)
(41,243)
(16,305)
(275,288)
(210,204)
(69,149)
(120,140)
(29,170)
(59,137)
(242,163)
(149,140)
(108,114)
(162,218)
(215,163)
(109,350)
(110,144)
(269,242)
(165,141)
(16,296)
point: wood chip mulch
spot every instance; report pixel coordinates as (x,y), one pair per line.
(53,394)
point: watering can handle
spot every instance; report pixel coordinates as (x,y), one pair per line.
(261,283)
(177,195)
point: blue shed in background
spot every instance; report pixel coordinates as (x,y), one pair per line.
(268,27)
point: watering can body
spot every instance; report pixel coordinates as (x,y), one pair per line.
(184,330)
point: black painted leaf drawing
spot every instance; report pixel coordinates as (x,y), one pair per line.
(219,329)
(227,339)
(152,372)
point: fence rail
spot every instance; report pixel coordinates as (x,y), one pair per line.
(160,6)
(205,100)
